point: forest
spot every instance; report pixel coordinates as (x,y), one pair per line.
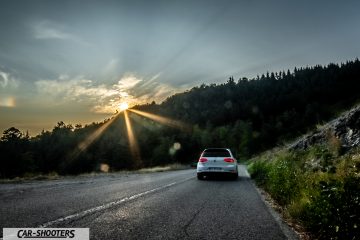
(247,115)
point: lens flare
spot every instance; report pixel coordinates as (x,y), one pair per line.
(134,147)
(7,102)
(163,120)
(104,167)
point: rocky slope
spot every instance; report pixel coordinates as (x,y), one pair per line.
(344,129)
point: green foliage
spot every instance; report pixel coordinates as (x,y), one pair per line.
(324,199)
(335,211)
(260,171)
(286,173)
(16,157)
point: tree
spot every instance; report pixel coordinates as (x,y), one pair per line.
(16,157)
(12,134)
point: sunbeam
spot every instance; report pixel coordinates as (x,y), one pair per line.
(163,120)
(133,144)
(134,147)
(81,147)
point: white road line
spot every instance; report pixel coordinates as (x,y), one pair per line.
(110,204)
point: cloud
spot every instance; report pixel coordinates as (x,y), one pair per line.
(141,90)
(49,30)
(44,30)
(7,81)
(103,98)
(75,89)
(127,82)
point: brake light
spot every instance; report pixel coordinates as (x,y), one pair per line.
(203,160)
(229,160)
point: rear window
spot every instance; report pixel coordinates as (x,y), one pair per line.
(216,153)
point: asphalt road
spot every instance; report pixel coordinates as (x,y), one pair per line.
(168,205)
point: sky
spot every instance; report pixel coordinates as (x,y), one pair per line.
(77,61)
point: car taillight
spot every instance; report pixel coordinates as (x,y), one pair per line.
(202,160)
(229,160)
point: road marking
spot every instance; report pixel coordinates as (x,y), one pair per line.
(110,204)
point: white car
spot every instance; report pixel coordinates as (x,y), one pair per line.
(217,160)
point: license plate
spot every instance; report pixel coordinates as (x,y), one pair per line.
(215,168)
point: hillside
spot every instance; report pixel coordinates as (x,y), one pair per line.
(247,115)
(273,107)
(316,179)
(344,130)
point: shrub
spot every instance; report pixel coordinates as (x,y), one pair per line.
(259,170)
(326,200)
(285,178)
(334,212)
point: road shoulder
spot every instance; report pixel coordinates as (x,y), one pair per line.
(290,232)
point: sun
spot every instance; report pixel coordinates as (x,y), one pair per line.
(123,106)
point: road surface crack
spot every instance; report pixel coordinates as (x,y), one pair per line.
(186,226)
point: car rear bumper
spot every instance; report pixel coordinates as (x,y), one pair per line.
(217,169)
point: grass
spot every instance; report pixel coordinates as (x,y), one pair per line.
(32,177)
(170,167)
(319,188)
(54,175)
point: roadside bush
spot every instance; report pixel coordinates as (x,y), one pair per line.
(259,171)
(334,212)
(285,178)
(325,200)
